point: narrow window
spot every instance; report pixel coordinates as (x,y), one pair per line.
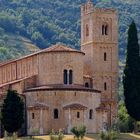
(90,114)
(106,30)
(70,77)
(103,29)
(86,85)
(78,114)
(33,115)
(105,86)
(105,56)
(87,30)
(65,77)
(55,113)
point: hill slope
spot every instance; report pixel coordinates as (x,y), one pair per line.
(47,22)
(14,46)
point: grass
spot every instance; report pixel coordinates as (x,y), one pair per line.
(67,137)
(129,136)
(122,136)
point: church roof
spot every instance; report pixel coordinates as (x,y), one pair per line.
(37,106)
(62,87)
(60,47)
(53,48)
(75,107)
(16,81)
(102,109)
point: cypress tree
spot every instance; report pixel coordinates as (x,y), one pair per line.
(12,112)
(131,79)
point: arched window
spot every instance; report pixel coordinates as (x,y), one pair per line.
(33,115)
(86,84)
(105,86)
(55,113)
(106,30)
(78,114)
(90,114)
(87,30)
(70,77)
(103,29)
(105,56)
(65,77)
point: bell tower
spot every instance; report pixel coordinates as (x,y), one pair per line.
(99,42)
(86,24)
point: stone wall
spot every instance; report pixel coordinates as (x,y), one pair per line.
(52,66)
(58,99)
(18,69)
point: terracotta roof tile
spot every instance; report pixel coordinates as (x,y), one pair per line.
(37,106)
(16,81)
(62,87)
(75,107)
(59,47)
(102,108)
(54,48)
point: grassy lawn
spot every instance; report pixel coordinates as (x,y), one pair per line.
(67,137)
(122,136)
(129,136)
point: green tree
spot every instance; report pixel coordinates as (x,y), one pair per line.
(12,112)
(131,79)
(126,123)
(79,132)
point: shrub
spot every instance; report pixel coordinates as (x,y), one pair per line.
(109,135)
(9,136)
(60,135)
(126,123)
(82,131)
(79,132)
(76,133)
(54,136)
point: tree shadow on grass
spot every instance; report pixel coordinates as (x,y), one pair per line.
(129,136)
(122,136)
(93,136)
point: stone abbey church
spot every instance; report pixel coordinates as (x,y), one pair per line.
(65,87)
